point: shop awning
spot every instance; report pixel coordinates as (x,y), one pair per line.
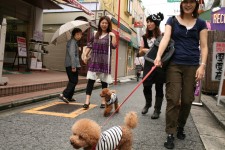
(123,27)
(78,5)
(43,4)
(134,42)
(206,15)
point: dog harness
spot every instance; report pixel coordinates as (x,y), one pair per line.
(113,99)
(109,139)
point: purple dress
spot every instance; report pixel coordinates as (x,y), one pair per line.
(99,55)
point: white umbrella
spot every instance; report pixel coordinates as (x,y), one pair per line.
(63,34)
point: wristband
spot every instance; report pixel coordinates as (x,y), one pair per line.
(203,64)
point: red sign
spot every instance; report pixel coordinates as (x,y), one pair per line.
(220,47)
(22,48)
(138,24)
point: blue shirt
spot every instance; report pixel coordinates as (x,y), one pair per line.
(186,42)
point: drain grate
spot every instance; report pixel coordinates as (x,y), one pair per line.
(62,108)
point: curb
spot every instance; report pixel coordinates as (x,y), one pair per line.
(27,101)
(215,110)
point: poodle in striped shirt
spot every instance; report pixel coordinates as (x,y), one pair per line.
(87,135)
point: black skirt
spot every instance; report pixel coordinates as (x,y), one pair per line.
(157,76)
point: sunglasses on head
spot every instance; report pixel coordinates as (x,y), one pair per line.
(155,18)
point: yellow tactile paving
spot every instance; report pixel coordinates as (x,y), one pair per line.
(38,110)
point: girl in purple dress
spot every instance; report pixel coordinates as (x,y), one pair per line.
(100,62)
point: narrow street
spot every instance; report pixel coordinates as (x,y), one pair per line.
(47,125)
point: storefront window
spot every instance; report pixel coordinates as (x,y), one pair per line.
(15,27)
(130,58)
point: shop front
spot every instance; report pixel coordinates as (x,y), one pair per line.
(23,18)
(132,51)
(124,49)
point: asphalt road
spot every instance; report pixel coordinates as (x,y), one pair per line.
(32,131)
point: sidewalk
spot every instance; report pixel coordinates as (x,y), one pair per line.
(210,122)
(45,85)
(217,111)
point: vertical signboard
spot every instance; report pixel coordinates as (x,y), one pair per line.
(217,61)
(22,48)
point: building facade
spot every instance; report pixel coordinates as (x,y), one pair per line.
(130,10)
(24,18)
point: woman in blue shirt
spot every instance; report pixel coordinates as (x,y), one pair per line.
(184,68)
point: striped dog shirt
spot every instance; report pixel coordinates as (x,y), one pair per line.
(113,99)
(109,139)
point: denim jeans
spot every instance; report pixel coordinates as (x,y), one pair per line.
(73,80)
(180,83)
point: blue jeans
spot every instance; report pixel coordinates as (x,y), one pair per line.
(73,80)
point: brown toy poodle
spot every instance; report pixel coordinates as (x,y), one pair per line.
(87,135)
(110,100)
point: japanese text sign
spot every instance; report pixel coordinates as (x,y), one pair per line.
(22,48)
(217,61)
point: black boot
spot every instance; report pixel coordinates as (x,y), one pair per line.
(148,104)
(169,142)
(180,133)
(158,105)
(155,115)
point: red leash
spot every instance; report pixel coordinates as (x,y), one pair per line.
(153,68)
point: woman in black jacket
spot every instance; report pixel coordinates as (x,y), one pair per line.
(158,76)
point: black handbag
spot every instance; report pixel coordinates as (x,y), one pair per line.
(151,55)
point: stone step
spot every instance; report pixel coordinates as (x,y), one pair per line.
(33,87)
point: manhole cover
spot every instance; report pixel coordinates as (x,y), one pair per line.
(62,108)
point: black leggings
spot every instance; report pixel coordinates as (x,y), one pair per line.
(90,86)
(158,88)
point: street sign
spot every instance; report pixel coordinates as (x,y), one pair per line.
(217,60)
(171,1)
(218,20)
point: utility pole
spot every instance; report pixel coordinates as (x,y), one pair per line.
(118,43)
(96,9)
(3,80)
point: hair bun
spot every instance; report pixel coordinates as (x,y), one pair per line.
(160,16)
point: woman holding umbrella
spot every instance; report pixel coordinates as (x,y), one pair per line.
(72,64)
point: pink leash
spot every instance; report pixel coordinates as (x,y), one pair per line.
(152,69)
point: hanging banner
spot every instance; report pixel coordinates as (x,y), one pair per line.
(218,20)
(22,48)
(171,1)
(138,21)
(79,6)
(217,60)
